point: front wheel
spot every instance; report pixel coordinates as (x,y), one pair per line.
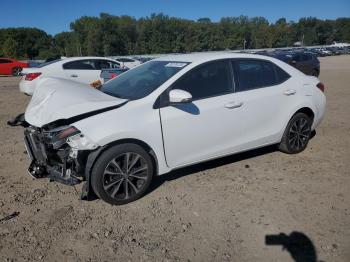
(122,174)
(16,71)
(297,134)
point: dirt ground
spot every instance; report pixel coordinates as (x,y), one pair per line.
(217,211)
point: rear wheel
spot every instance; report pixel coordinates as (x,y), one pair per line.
(122,174)
(16,71)
(297,134)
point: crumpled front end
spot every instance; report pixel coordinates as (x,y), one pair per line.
(53,157)
(58,153)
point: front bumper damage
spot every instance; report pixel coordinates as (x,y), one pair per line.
(57,164)
(55,159)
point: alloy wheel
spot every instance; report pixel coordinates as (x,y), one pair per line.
(125,176)
(299,134)
(17,71)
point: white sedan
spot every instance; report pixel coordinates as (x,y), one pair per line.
(80,69)
(168,113)
(127,62)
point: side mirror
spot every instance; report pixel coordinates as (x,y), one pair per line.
(178,96)
(293,62)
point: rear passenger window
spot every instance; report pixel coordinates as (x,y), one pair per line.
(212,79)
(80,65)
(252,74)
(105,64)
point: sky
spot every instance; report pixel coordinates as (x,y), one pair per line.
(55,16)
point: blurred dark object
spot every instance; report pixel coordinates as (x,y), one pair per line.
(13,215)
(306,61)
(297,244)
(52,58)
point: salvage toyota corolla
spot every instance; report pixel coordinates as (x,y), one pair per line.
(168,113)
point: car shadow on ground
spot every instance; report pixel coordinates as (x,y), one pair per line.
(299,246)
(182,172)
(210,164)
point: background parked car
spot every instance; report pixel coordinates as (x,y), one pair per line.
(108,74)
(307,62)
(127,62)
(10,66)
(80,69)
(143,59)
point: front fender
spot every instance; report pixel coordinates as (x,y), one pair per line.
(128,122)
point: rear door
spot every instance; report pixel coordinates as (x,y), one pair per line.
(266,94)
(82,71)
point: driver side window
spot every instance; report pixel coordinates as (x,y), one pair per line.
(208,80)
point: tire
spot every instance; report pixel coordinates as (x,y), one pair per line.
(16,71)
(122,174)
(297,134)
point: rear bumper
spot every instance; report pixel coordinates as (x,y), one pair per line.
(320,109)
(27,87)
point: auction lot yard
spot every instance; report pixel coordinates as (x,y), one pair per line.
(217,211)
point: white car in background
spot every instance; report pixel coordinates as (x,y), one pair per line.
(165,114)
(127,62)
(79,69)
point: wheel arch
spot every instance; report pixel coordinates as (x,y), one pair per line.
(88,192)
(308,111)
(139,142)
(304,108)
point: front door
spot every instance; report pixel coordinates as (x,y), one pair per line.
(201,130)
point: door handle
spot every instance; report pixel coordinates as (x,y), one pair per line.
(73,75)
(289,92)
(232,105)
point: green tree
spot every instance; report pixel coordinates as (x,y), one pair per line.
(10,48)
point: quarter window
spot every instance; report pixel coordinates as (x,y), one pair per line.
(207,80)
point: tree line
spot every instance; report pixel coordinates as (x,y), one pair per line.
(109,35)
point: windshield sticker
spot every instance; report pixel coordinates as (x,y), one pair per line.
(173,64)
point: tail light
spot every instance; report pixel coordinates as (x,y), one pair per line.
(32,76)
(321,86)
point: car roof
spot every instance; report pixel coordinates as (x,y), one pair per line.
(207,56)
(67,59)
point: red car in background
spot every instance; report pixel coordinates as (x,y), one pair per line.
(10,66)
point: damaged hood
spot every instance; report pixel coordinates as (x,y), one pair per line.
(56,99)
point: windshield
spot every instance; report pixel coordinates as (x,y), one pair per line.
(142,80)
